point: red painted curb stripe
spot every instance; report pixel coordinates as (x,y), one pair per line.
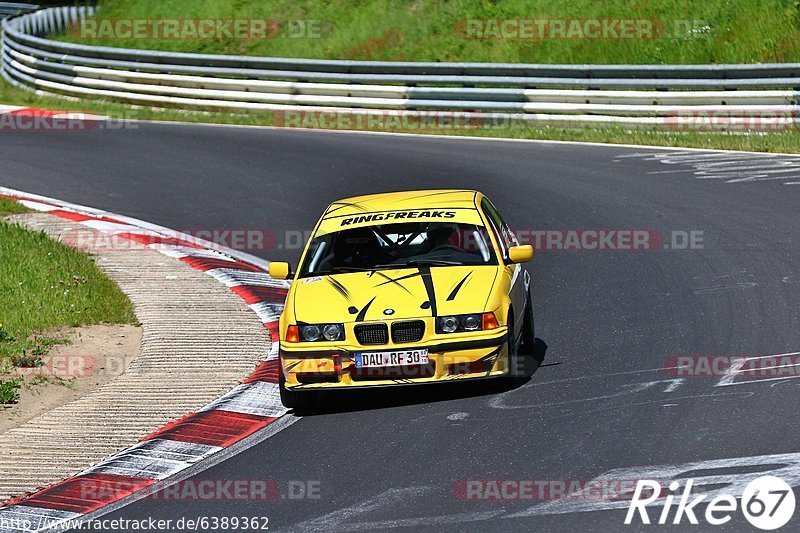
(209,263)
(267,371)
(36,112)
(274,330)
(88,492)
(213,428)
(156,239)
(78,217)
(253,294)
(75,217)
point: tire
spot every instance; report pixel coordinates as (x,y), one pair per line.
(299,401)
(528,347)
(513,352)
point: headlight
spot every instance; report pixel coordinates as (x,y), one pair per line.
(448,324)
(471,322)
(310,333)
(458,323)
(333,332)
(319,332)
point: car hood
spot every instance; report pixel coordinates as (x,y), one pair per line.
(395,294)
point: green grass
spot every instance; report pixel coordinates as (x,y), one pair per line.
(10,207)
(45,285)
(9,390)
(714,31)
(39,293)
(784,142)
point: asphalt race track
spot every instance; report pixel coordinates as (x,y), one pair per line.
(603,400)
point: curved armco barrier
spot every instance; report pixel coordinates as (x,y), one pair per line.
(643,95)
(12,8)
(166,454)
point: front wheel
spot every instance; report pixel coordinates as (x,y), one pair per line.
(514,370)
(528,333)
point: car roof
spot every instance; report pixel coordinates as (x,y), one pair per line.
(401,200)
(454,205)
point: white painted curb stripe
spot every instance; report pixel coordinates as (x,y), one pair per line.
(154,459)
(235,278)
(257,398)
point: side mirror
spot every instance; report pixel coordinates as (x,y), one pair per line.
(279,270)
(517,254)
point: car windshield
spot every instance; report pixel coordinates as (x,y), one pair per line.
(397,246)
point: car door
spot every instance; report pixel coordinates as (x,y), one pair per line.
(514,272)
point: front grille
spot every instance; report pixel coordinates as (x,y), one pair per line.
(410,331)
(372,334)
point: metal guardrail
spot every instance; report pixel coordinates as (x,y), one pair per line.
(8,8)
(626,95)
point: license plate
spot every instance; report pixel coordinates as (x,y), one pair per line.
(397,358)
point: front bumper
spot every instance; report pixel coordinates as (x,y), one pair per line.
(479,355)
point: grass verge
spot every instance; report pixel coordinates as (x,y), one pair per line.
(9,390)
(670,31)
(10,207)
(45,285)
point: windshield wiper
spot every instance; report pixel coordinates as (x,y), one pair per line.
(338,270)
(418,263)
(433,262)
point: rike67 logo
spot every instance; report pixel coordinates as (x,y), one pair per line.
(767,502)
(733,490)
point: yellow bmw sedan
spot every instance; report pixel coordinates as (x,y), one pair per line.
(404,288)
